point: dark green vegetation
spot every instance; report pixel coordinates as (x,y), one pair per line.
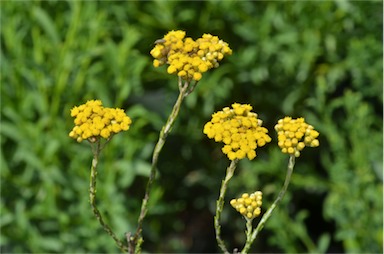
(319,60)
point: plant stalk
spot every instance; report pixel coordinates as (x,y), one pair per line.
(249,231)
(268,213)
(92,197)
(220,204)
(136,240)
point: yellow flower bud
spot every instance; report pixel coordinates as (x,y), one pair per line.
(197,76)
(203,67)
(182,73)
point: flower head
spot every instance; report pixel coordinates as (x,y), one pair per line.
(295,134)
(92,121)
(187,58)
(239,129)
(249,205)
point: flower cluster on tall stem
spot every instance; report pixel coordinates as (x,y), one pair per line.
(187,59)
(241,132)
(94,123)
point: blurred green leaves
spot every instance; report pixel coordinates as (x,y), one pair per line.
(320,60)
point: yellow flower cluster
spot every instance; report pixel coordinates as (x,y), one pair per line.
(295,134)
(239,129)
(187,58)
(248,205)
(93,120)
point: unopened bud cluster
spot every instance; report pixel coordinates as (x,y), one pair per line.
(249,205)
(295,134)
(239,129)
(188,58)
(92,121)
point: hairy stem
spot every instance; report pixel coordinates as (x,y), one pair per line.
(92,197)
(268,213)
(136,240)
(249,232)
(220,204)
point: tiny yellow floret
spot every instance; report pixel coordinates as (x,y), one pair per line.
(197,76)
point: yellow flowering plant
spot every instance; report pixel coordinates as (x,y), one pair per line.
(98,125)
(293,136)
(186,58)
(237,127)
(241,132)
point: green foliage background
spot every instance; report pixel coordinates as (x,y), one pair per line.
(321,60)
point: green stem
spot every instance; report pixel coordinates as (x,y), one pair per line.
(136,240)
(268,213)
(220,204)
(249,232)
(92,197)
